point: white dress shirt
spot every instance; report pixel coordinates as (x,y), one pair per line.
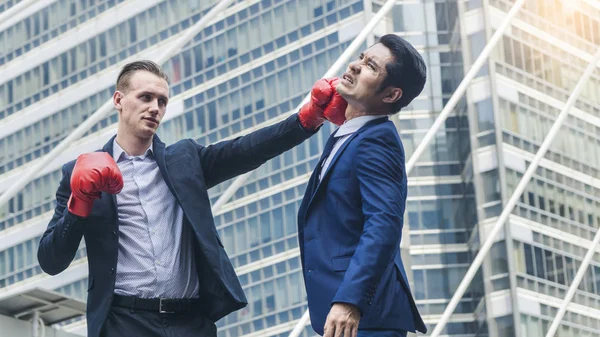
(343,133)
(156,257)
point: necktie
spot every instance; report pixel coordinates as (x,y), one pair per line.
(314,178)
(327,151)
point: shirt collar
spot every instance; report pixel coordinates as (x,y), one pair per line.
(351,126)
(118,152)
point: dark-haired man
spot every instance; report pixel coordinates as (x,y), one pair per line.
(350,221)
(156,264)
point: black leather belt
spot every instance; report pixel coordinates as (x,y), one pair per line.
(161,305)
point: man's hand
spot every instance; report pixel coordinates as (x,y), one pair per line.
(311,114)
(324,104)
(93,173)
(342,321)
(335,112)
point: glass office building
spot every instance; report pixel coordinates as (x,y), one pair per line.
(253,64)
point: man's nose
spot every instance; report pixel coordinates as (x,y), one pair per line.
(154,106)
(354,67)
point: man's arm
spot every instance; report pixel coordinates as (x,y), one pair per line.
(61,240)
(92,174)
(227,159)
(380,175)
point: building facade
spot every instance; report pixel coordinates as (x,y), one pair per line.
(511,106)
(253,64)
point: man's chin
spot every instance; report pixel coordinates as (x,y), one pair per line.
(146,133)
(341,90)
(348,97)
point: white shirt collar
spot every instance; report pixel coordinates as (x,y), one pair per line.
(351,126)
(118,151)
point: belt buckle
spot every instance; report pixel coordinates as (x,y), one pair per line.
(160,307)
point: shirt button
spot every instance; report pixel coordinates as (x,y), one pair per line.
(158,263)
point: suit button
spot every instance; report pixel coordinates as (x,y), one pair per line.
(114,233)
(112,271)
(309,238)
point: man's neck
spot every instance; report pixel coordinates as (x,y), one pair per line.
(133,146)
(354,112)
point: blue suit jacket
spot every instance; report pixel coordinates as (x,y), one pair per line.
(189,170)
(349,228)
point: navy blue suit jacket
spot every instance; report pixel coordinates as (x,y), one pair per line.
(349,229)
(189,170)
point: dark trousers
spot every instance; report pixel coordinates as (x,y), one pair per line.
(124,322)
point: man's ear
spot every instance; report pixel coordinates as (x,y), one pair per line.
(392,95)
(117,96)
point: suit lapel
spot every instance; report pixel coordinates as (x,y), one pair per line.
(159,155)
(314,184)
(108,148)
(314,178)
(335,158)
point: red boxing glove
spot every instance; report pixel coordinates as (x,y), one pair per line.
(311,114)
(93,173)
(335,112)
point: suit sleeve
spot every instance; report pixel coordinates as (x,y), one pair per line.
(60,241)
(227,159)
(380,172)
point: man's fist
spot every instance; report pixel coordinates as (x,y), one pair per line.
(93,173)
(311,114)
(335,112)
(317,110)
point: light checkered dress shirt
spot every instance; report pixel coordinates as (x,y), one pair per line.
(156,257)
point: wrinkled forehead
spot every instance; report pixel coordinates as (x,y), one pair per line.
(378,53)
